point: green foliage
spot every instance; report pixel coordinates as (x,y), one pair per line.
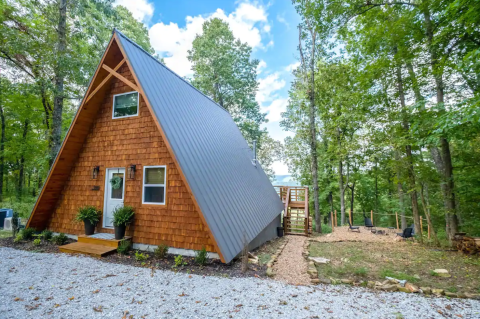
(15,223)
(18,238)
(161,251)
(90,213)
(124,247)
(362,271)
(59,239)
(179,262)
(37,242)
(28,233)
(123,215)
(397,275)
(141,256)
(47,234)
(201,257)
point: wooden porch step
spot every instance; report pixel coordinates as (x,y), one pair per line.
(101,241)
(87,249)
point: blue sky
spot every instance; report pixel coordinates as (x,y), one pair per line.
(270,28)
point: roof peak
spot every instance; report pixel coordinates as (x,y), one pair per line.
(115,30)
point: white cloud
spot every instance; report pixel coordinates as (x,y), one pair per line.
(293,66)
(267,86)
(142,10)
(261,66)
(248,22)
(282,20)
(275,109)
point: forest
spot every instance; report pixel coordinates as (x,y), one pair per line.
(385,111)
(384,106)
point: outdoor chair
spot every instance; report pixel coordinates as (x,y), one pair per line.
(369,224)
(407,233)
(353,228)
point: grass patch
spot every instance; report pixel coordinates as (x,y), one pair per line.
(5,233)
(405,261)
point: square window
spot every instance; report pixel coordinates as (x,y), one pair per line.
(154,184)
(125,105)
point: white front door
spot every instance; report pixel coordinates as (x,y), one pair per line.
(113,195)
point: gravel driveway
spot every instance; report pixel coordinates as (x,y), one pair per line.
(34,285)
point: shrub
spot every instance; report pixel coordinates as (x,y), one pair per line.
(124,247)
(140,256)
(60,239)
(28,233)
(37,242)
(90,213)
(179,261)
(18,238)
(201,256)
(47,234)
(123,215)
(161,251)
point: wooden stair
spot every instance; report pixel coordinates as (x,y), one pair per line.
(97,245)
(296,220)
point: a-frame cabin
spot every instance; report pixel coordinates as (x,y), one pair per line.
(185,167)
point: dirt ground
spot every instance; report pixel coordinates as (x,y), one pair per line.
(291,266)
(365,235)
(366,256)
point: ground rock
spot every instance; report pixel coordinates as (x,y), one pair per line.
(270,272)
(411,287)
(319,260)
(325,281)
(450,294)
(442,273)
(371,284)
(347,281)
(472,296)
(389,288)
(426,290)
(403,289)
(438,292)
(315,281)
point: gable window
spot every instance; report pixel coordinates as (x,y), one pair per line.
(125,105)
(154,184)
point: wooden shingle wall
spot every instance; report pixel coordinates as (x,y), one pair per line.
(120,143)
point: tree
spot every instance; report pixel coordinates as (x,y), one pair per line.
(223,69)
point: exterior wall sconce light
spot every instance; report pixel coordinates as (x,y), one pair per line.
(131,171)
(95,171)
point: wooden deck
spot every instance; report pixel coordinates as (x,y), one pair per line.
(97,245)
(296,220)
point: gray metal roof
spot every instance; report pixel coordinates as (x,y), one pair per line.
(235,197)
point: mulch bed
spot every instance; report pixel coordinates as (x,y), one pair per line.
(214,267)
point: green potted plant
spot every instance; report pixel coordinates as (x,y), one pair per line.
(122,216)
(90,216)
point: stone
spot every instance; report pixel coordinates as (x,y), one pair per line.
(438,292)
(325,281)
(347,281)
(461,295)
(442,273)
(315,281)
(450,294)
(411,287)
(389,288)
(416,277)
(472,296)
(270,272)
(403,289)
(371,284)
(426,290)
(319,260)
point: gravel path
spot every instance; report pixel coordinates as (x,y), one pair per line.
(34,285)
(291,267)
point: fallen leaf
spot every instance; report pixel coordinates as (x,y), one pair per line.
(71,298)
(56,305)
(240,305)
(98,309)
(96,291)
(31,287)
(36,298)
(17,299)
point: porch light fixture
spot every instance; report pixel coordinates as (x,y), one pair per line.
(95,171)
(131,171)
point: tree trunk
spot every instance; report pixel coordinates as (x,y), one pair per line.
(2,145)
(342,193)
(352,198)
(448,185)
(56,136)
(408,152)
(401,200)
(21,164)
(426,209)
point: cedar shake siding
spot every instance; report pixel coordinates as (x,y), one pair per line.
(113,143)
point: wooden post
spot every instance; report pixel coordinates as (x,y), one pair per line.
(371,216)
(421,224)
(350,217)
(428,230)
(336,222)
(333,222)
(396,216)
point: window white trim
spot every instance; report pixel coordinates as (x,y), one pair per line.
(113,105)
(164,185)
